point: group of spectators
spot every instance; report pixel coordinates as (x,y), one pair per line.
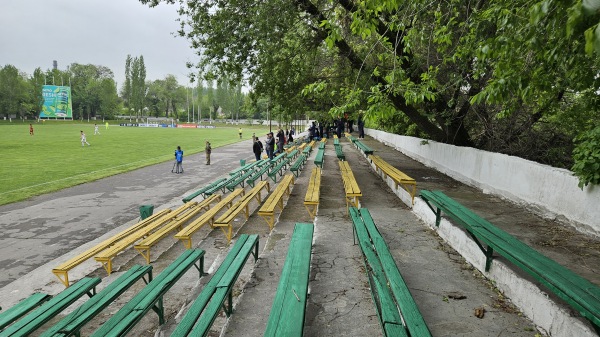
(273,144)
(339,125)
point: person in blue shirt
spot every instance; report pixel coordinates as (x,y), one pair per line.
(179,160)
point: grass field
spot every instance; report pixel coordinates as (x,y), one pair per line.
(53,158)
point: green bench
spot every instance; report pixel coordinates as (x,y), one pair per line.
(307,150)
(259,174)
(73,322)
(364,148)
(397,311)
(278,169)
(239,180)
(298,164)
(578,292)
(339,153)
(38,317)
(151,296)
(288,310)
(220,186)
(15,312)
(322,145)
(202,190)
(245,168)
(278,158)
(319,157)
(292,154)
(203,312)
(336,141)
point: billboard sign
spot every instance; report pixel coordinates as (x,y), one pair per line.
(57,102)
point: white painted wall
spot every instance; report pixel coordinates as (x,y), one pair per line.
(546,190)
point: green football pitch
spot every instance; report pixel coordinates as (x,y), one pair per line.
(53,157)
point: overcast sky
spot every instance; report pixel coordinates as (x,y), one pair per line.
(33,33)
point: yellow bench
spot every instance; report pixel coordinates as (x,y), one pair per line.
(267,211)
(143,247)
(185,235)
(312,144)
(399,177)
(311,200)
(225,220)
(351,188)
(301,147)
(290,149)
(105,257)
(62,271)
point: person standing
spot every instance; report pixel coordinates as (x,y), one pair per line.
(257,149)
(83,139)
(280,140)
(106,125)
(240,132)
(30,130)
(96,131)
(361,127)
(269,144)
(207,151)
(179,160)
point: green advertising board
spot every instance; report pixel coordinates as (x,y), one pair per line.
(57,102)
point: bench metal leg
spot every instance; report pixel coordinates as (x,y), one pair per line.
(200,266)
(159,309)
(63,276)
(489,252)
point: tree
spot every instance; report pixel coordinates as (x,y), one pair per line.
(14,92)
(93,89)
(505,76)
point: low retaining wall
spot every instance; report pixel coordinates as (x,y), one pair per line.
(548,191)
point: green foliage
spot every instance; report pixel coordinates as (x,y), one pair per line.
(587,157)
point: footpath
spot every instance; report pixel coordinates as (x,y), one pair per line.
(40,233)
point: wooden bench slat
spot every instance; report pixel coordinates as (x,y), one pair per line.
(391,288)
(224,221)
(73,322)
(185,235)
(52,307)
(267,210)
(144,246)
(133,311)
(62,270)
(577,291)
(12,314)
(239,252)
(311,199)
(105,257)
(288,310)
(202,190)
(410,312)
